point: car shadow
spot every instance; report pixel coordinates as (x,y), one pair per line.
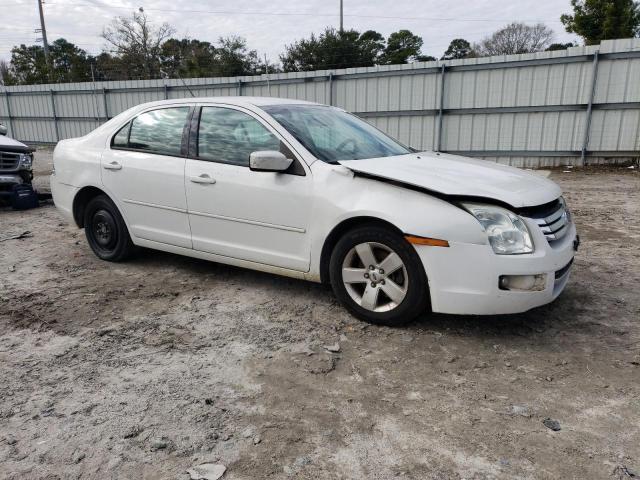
(564,312)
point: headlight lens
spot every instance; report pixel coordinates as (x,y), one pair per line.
(26,160)
(507,232)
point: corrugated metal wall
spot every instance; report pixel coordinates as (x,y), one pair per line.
(549,108)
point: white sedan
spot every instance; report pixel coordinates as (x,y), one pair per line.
(313,192)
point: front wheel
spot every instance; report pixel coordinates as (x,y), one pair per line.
(106,231)
(378,276)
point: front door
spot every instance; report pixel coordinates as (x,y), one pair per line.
(144,170)
(257,216)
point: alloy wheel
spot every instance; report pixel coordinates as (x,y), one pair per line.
(375,277)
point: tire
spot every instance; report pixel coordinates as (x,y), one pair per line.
(392,306)
(106,231)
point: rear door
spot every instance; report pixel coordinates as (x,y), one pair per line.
(144,170)
(257,216)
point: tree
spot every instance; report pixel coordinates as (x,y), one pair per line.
(5,73)
(516,38)
(402,47)
(137,43)
(27,65)
(372,45)
(333,49)
(597,20)
(560,46)
(187,58)
(234,58)
(68,63)
(110,67)
(458,48)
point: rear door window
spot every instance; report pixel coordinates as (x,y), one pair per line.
(121,139)
(158,131)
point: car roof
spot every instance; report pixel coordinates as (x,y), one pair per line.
(234,100)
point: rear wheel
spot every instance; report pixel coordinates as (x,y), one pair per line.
(106,231)
(378,276)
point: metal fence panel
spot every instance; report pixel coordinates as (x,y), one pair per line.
(531,110)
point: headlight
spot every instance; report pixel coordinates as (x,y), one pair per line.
(508,234)
(26,161)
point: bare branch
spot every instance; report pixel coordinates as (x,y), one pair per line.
(516,38)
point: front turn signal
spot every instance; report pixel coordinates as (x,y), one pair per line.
(432,242)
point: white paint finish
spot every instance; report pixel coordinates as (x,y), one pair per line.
(456,175)
(279,222)
(151,189)
(257,216)
(463,279)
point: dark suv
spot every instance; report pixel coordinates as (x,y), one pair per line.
(16,162)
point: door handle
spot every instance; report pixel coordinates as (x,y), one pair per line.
(204,178)
(112,166)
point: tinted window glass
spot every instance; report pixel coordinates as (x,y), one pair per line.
(159,131)
(121,138)
(230,136)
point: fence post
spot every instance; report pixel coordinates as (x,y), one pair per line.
(53,113)
(331,89)
(9,121)
(104,104)
(441,108)
(239,88)
(166,92)
(587,126)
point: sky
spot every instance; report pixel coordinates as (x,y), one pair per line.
(269,25)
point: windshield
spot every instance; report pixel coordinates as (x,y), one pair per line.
(332,135)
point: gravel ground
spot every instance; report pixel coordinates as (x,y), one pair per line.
(148,368)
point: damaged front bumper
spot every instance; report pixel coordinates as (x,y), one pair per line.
(470,279)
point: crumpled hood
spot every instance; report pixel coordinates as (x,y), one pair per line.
(455,175)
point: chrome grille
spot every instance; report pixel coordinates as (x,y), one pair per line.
(555,225)
(9,160)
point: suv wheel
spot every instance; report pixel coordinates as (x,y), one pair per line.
(378,276)
(106,231)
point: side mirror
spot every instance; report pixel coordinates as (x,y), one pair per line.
(3,129)
(268,161)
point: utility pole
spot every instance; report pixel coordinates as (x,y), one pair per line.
(266,69)
(45,44)
(341,17)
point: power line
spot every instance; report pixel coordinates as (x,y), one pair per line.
(302,14)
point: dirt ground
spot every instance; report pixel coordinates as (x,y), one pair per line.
(145,369)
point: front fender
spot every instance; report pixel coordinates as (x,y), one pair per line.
(346,197)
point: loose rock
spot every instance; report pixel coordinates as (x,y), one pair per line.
(335,348)
(207,471)
(159,444)
(133,432)
(521,410)
(552,424)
